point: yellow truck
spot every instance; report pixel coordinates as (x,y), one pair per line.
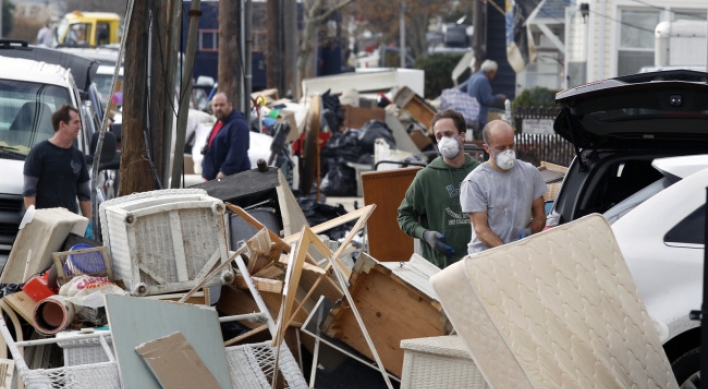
(88,29)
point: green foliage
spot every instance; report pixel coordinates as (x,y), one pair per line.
(8,19)
(536,97)
(438,71)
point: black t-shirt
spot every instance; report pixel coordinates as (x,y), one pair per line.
(59,172)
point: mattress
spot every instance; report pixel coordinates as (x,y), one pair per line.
(556,310)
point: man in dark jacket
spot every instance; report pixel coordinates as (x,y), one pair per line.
(431,210)
(226,151)
(478,86)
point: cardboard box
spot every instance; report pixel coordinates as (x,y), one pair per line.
(356,117)
(289,117)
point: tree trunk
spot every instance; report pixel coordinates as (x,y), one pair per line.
(135,173)
(230,61)
(290,33)
(274,54)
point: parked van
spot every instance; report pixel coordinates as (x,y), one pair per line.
(681,44)
(82,29)
(30,91)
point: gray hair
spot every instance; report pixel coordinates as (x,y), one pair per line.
(489,66)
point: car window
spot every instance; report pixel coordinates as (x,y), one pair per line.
(103,84)
(25,112)
(631,202)
(690,230)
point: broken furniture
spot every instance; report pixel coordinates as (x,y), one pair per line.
(43,233)
(421,111)
(558,309)
(166,240)
(440,362)
(386,189)
(256,190)
(396,302)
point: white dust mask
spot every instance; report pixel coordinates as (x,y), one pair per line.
(506,159)
(449,147)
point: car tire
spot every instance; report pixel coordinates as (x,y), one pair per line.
(686,368)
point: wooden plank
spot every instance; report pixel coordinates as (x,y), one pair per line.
(175,363)
(387,189)
(391,310)
(262,284)
(21,303)
(256,331)
(134,321)
(7,370)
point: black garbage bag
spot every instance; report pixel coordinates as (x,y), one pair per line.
(372,130)
(340,179)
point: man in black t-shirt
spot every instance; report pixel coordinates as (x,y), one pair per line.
(55,170)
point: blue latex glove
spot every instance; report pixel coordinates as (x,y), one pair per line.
(526,232)
(435,240)
(89,231)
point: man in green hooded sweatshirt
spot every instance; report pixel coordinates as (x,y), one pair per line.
(431,210)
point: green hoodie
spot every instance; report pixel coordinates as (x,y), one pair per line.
(432,202)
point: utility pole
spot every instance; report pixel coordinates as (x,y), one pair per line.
(231,64)
(290,34)
(185,91)
(135,172)
(158,84)
(275,63)
(170,49)
(402,26)
(479,37)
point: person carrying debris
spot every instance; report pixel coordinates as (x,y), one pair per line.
(431,209)
(226,151)
(55,170)
(478,86)
(504,196)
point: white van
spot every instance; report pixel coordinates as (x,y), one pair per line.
(30,92)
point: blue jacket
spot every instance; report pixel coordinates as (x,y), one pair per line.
(228,152)
(478,87)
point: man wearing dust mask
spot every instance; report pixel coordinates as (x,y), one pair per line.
(504,196)
(431,209)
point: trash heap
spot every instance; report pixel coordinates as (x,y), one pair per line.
(229,272)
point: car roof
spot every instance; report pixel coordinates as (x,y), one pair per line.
(75,15)
(108,69)
(681,167)
(666,109)
(82,69)
(33,71)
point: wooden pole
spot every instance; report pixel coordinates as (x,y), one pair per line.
(230,62)
(135,172)
(185,92)
(157,83)
(274,55)
(290,41)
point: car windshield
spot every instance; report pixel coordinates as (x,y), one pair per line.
(103,84)
(25,114)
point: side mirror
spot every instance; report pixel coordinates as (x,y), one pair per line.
(117,130)
(108,151)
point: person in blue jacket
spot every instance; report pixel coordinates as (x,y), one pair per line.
(226,151)
(478,86)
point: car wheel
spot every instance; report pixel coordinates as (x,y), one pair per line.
(686,369)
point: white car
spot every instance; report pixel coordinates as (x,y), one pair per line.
(661,232)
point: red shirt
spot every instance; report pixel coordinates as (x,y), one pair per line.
(214,130)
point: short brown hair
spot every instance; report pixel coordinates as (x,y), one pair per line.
(456,117)
(62,115)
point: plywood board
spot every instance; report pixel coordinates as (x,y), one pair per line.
(391,309)
(134,321)
(175,363)
(21,303)
(386,189)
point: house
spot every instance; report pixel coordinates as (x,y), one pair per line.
(609,38)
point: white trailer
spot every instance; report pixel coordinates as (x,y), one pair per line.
(681,43)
